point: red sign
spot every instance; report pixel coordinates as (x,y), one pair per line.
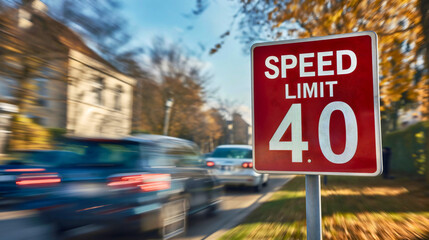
(316,106)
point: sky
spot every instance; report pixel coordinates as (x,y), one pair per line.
(230,66)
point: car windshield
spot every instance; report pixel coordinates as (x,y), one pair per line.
(103,153)
(238,153)
(42,158)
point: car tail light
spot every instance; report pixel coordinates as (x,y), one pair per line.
(146,182)
(210,164)
(247,165)
(38,179)
(25,170)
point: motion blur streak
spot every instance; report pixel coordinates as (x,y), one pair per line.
(25,170)
(146,182)
(155,186)
(38,179)
(41,181)
(91,208)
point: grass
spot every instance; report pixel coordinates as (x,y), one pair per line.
(352,208)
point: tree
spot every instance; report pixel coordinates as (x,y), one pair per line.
(424,10)
(28,135)
(402,27)
(107,35)
(396,23)
(214,122)
(180,77)
(151,107)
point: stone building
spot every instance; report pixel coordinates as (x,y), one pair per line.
(73,87)
(99,99)
(6,111)
(241,130)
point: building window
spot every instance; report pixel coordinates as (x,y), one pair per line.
(118,93)
(98,90)
(99,128)
(7,86)
(42,92)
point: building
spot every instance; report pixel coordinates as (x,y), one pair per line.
(236,131)
(99,99)
(6,111)
(241,130)
(67,85)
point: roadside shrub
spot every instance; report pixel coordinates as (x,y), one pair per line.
(408,149)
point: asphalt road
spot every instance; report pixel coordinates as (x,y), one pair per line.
(236,204)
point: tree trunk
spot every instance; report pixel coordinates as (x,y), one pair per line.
(424,10)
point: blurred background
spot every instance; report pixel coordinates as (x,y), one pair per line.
(110,69)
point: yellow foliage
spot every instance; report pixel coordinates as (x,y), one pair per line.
(397,23)
(28,135)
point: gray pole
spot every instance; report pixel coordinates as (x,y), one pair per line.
(313,207)
(168,106)
(166,121)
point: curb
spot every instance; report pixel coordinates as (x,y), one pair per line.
(239,217)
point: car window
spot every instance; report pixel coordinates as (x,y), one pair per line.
(183,156)
(235,153)
(115,153)
(43,158)
(158,158)
(189,159)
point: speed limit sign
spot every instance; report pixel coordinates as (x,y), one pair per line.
(316,106)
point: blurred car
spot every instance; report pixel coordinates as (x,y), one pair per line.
(232,164)
(134,184)
(29,174)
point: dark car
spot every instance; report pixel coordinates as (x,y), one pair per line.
(28,174)
(138,183)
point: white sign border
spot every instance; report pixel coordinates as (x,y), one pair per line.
(376,98)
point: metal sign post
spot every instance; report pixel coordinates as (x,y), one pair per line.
(313,207)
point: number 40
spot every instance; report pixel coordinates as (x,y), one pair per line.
(297,146)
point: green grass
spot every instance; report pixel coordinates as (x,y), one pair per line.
(352,208)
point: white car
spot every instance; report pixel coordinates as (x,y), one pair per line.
(232,165)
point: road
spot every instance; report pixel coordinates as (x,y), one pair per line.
(236,204)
